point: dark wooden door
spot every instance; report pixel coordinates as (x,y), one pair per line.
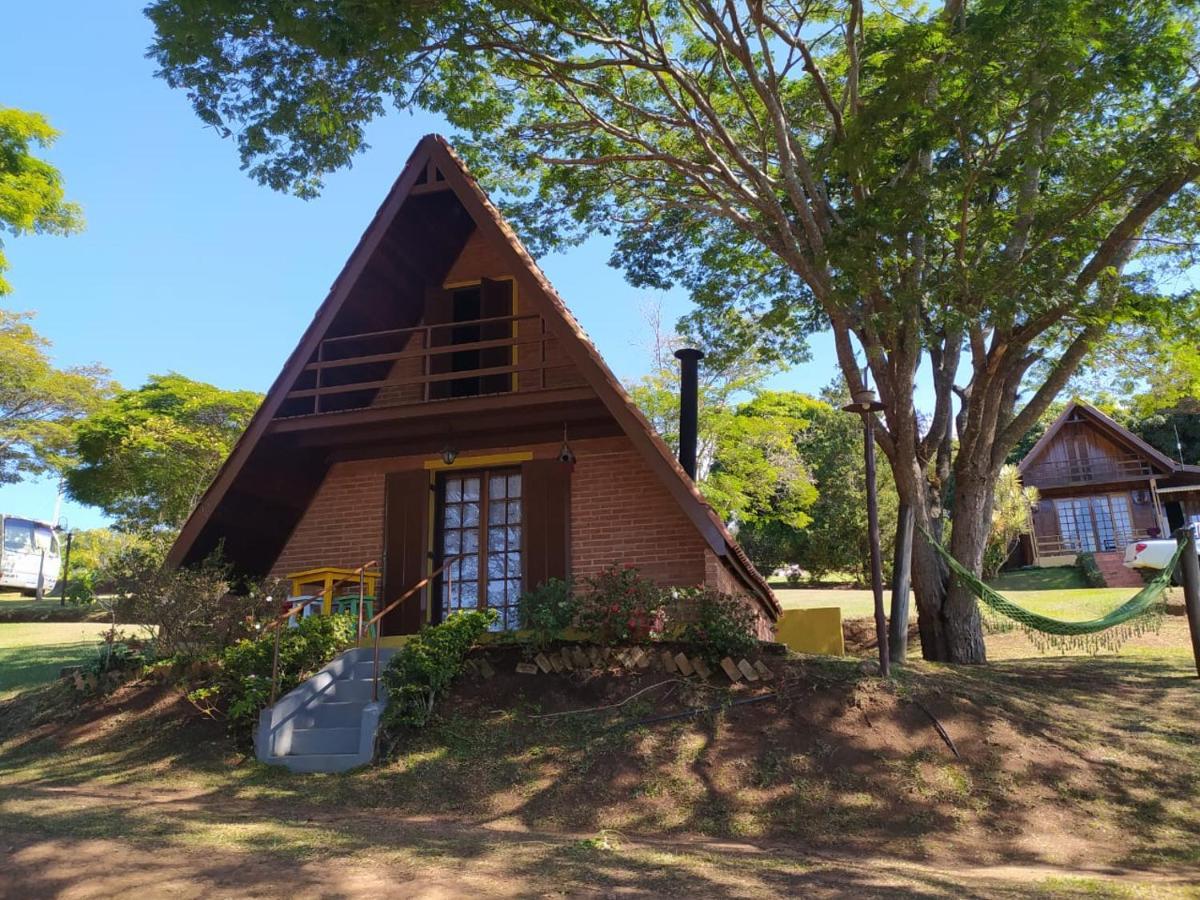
(405,545)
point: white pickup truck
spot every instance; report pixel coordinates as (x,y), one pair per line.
(1150,553)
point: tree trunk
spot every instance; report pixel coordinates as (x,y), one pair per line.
(947,615)
(963,633)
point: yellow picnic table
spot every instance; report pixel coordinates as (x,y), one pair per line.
(328,578)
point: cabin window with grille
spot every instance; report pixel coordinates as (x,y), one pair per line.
(479,319)
(480,523)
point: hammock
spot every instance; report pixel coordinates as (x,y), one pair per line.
(1140,613)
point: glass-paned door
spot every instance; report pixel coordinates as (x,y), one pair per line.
(1095,524)
(1114,521)
(481,543)
(1075,525)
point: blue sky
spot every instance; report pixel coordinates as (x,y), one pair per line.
(188,265)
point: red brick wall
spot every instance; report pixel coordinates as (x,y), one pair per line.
(621,512)
(342,527)
(718,577)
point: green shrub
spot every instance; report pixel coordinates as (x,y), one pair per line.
(194,611)
(120,656)
(424,668)
(548,610)
(243,683)
(1091,572)
(619,606)
(717,625)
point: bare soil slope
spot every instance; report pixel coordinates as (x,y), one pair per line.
(1073,776)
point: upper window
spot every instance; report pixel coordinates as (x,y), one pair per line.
(483,325)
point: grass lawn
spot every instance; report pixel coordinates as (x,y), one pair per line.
(31,653)
(19,608)
(1060,592)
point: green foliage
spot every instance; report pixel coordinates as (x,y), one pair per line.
(243,682)
(120,656)
(619,606)
(828,443)
(425,667)
(1010,517)
(747,464)
(194,611)
(94,554)
(1162,429)
(717,625)
(146,456)
(32,200)
(39,403)
(548,610)
(1086,563)
(758,475)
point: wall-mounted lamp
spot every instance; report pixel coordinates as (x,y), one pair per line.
(449,455)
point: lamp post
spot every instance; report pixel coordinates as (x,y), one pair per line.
(866,405)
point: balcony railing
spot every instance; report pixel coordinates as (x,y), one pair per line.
(1061,473)
(495,355)
(1056,545)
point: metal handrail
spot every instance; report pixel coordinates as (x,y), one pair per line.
(278,621)
(420,585)
(294,610)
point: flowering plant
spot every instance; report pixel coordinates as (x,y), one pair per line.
(619,606)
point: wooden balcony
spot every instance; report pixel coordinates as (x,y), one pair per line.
(1068,473)
(1056,545)
(429,363)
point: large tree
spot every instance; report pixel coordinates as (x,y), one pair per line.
(980,184)
(32,200)
(146,456)
(39,402)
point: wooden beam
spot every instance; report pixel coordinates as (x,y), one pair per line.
(458,406)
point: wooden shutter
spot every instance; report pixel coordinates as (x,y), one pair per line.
(546,486)
(405,545)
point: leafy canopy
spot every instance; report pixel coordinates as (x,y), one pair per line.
(39,403)
(32,200)
(146,456)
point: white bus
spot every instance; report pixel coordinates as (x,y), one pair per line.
(29,556)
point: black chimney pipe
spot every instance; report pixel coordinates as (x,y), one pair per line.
(689,389)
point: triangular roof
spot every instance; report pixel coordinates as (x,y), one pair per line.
(1109,426)
(431,152)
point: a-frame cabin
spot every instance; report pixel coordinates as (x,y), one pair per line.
(422,418)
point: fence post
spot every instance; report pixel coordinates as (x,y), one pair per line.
(1189,569)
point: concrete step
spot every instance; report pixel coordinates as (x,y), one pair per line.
(348,689)
(331,714)
(324,741)
(366,668)
(318,762)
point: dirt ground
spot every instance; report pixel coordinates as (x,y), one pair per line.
(1073,777)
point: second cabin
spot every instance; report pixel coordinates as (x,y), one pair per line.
(444,412)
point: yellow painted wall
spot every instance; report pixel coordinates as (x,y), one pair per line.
(812,630)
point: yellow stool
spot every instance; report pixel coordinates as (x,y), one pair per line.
(327,579)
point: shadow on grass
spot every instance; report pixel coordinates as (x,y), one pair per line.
(840,763)
(24,667)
